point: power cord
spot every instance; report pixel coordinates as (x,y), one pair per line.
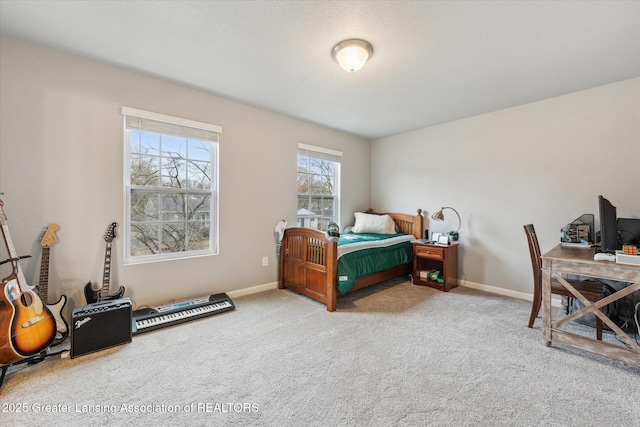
(636,334)
(637,322)
(462,278)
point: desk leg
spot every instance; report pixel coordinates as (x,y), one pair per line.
(546,306)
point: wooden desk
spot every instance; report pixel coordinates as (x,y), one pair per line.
(567,260)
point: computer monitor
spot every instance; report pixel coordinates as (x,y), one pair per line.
(629,230)
(608,226)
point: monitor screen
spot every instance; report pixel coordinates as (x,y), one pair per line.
(608,226)
(629,230)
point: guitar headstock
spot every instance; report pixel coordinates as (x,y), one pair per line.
(49,237)
(3,216)
(110,234)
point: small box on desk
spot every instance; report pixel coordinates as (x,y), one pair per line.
(622,258)
(100,325)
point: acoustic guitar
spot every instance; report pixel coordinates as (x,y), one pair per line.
(103,294)
(62,328)
(26,325)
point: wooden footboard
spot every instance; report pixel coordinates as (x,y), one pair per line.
(308,265)
(308,261)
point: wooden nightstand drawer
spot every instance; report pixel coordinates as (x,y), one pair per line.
(430,252)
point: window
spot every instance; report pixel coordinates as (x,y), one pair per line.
(171,187)
(318,186)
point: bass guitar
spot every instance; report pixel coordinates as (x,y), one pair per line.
(26,325)
(103,294)
(62,328)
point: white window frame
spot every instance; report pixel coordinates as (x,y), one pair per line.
(184,128)
(334,156)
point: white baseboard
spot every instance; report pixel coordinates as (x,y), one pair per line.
(253,290)
(555,300)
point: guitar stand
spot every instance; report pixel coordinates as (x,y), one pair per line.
(18,258)
(29,360)
(4,371)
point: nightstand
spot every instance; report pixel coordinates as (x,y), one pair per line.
(430,256)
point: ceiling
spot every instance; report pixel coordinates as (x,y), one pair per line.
(433,61)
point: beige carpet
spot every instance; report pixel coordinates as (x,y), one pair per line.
(393,355)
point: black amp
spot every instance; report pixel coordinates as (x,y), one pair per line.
(100,325)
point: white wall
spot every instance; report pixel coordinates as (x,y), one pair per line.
(61,161)
(543,163)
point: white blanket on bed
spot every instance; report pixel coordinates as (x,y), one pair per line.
(352,247)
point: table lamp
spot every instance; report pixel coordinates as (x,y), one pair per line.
(439,216)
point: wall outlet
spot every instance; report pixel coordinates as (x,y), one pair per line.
(265,261)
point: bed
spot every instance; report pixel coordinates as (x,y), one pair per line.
(313,264)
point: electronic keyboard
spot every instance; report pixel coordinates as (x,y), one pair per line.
(161,316)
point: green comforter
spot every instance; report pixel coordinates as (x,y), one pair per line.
(358,260)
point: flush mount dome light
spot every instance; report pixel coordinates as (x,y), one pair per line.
(352,54)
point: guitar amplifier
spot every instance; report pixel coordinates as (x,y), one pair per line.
(100,325)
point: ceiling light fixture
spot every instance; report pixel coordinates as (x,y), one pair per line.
(352,54)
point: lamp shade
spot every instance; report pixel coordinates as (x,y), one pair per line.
(352,54)
(438,216)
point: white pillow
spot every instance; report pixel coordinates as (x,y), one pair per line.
(378,224)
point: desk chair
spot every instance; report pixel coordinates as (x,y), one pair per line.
(593,291)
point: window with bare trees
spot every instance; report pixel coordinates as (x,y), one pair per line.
(318,186)
(171,179)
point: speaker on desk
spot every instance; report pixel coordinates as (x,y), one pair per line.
(100,325)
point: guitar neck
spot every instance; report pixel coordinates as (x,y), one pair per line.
(43,284)
(13,254)
(106,276)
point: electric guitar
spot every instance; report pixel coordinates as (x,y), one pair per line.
(62,328)
(26,325)
(103,294)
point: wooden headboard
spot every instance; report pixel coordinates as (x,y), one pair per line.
(408,224)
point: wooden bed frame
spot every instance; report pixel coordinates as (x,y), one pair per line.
(308,261)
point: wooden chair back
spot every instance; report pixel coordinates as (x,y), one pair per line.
(536,260)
